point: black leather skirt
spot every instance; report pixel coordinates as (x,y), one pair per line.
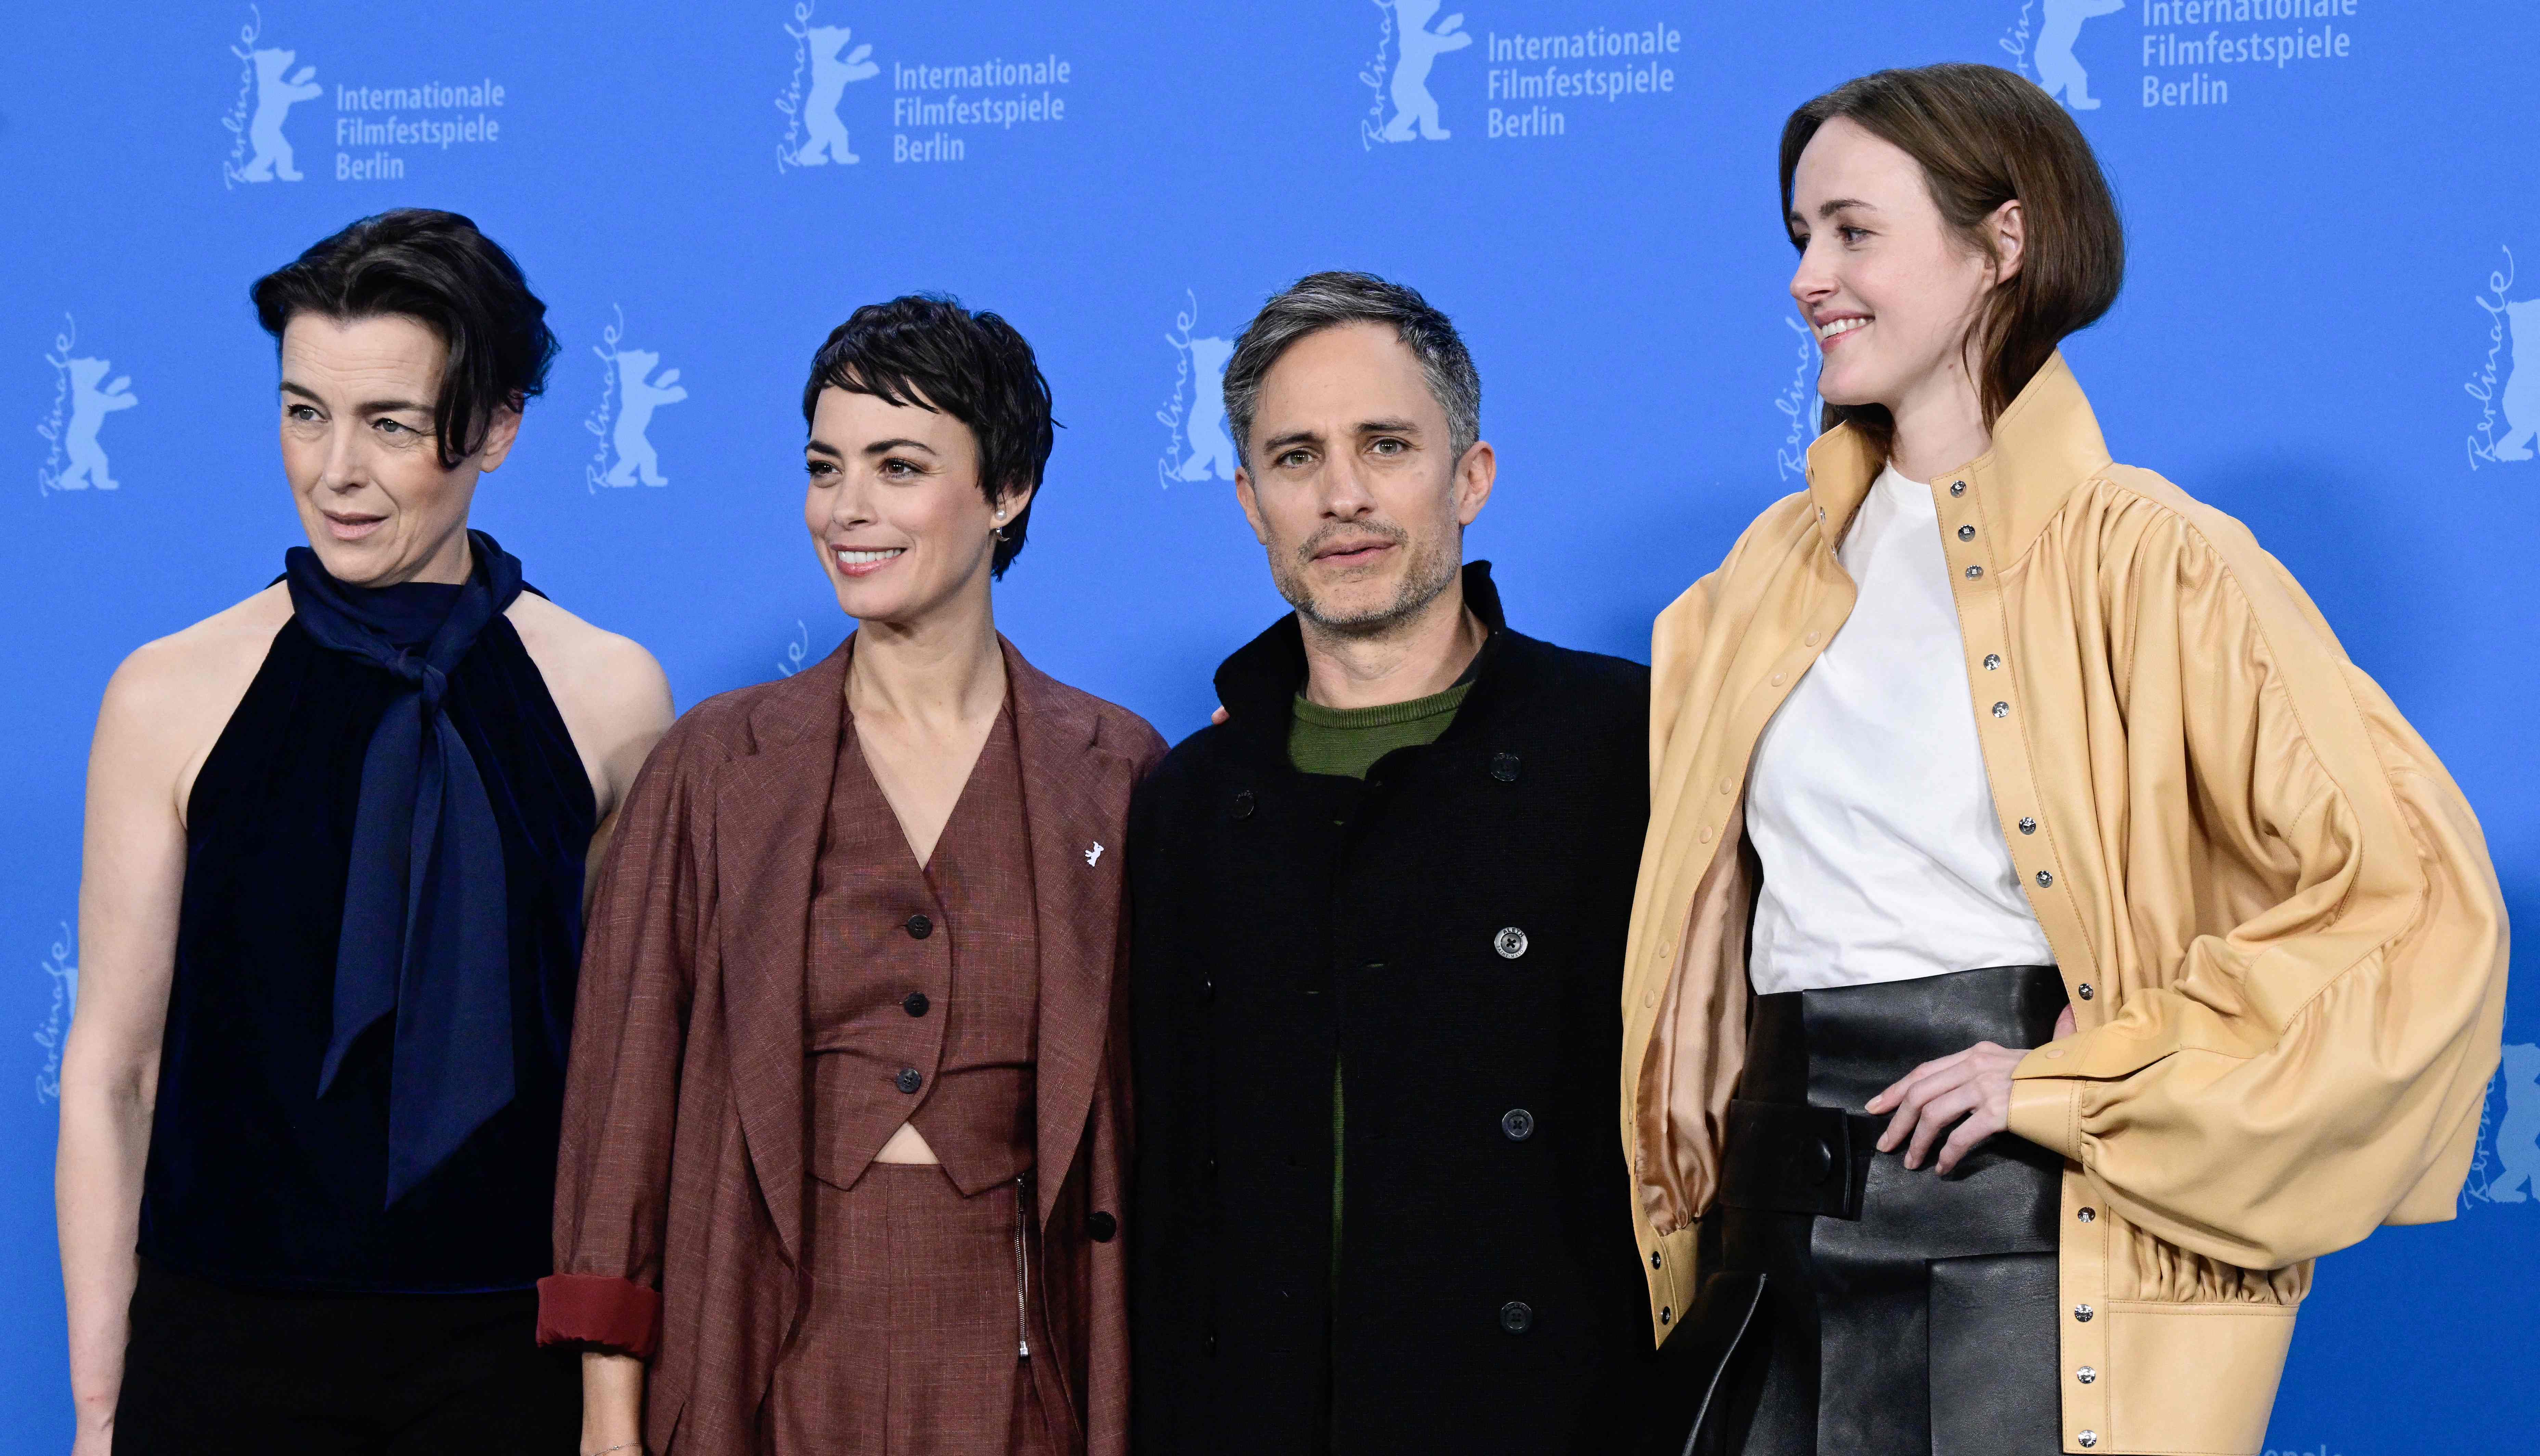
(1854,1307)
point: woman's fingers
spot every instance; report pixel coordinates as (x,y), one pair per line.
(1971,1090)
(1987,1118)
(1938,1113)
(1893,1094)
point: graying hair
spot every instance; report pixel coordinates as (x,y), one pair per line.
(1322,301)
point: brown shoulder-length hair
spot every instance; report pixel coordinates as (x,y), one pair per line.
(1985,136)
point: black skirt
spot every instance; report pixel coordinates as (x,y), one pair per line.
(1854,1306)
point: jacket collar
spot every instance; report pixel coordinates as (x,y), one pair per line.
(772,807)
(2044,447)
(1259,683)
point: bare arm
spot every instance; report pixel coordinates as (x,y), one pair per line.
(131,881)
(612,1403)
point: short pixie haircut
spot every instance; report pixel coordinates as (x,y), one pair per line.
(925,349)
(1321,301)
(434,268)
(1986,136)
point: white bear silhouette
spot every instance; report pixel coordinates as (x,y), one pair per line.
(829,78)
(89,405)
(1212,452)
(2521,393)
(1421,47)
(2057,70)
(275,95)
(2517,1138)
(638,399)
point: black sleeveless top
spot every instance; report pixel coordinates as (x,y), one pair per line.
(253,1178)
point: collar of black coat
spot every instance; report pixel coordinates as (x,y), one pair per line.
(1259,684)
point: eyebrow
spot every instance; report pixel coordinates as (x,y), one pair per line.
(1830,208)
(1388,426)
(886,446)
(370,408)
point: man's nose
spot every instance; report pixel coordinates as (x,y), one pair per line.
(1345,488)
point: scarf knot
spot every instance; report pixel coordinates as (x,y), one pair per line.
(426,935)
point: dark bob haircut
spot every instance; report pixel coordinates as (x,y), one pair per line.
(926,349)
(434,268)
(1986,136)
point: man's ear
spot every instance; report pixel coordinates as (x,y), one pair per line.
(1251,503)
(1475,474)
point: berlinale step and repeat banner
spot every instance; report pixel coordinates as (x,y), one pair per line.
(2331,329)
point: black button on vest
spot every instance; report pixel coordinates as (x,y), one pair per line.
(919,926)
(915,1003)
(908,1080)
(1101,1226)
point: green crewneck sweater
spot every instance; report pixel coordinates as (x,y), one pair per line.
(1346,742)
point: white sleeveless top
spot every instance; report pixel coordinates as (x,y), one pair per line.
(1867,801)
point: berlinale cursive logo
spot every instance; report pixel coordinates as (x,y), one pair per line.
(813,134)
(61,968)
(1196,444)
(629,392)
(74,460)
(2506,386)
(1407,46)
(1800,409)
(268,88)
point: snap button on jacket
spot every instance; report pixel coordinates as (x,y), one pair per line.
(2272,909)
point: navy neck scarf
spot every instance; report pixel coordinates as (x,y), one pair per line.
(426,934)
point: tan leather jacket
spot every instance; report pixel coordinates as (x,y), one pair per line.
(2274,911)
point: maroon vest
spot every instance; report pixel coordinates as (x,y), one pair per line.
(925,983)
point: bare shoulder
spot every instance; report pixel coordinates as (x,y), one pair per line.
(167,703)
(204,667)
(615,699)
(603,671)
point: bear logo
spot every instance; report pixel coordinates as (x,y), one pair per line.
(1212,452)
(2521,393)
(89,405)
(638,398)
(829,77)
(1413,105)
(275,95)
(2057,70)
(2517,1137)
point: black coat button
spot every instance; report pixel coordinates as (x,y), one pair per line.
(915,1003)
(1516,1317)
(1817,1160)
(908,1080)
(1517,1123)
(1209,1343)
(1101,1226)
(1504,767)
(1244,804)
(919,926)
(1208,991)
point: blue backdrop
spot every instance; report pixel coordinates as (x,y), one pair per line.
(2325,331)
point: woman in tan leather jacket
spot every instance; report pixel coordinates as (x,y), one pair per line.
(2047,941)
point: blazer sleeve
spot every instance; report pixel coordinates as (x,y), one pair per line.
(651,915)
(2319,1068)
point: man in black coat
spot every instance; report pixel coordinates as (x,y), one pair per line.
(1380,914)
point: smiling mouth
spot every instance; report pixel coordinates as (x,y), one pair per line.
(855,563)
(351,528)
(1835,328)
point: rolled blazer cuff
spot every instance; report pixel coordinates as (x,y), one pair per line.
(2047,1111)
(601,1310)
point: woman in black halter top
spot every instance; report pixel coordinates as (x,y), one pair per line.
(331,913)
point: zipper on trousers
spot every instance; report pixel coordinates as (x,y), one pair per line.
(1022,1273)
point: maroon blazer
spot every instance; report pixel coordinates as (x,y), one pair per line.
(679,1187)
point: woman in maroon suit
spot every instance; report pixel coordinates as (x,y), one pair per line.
(844,1132)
